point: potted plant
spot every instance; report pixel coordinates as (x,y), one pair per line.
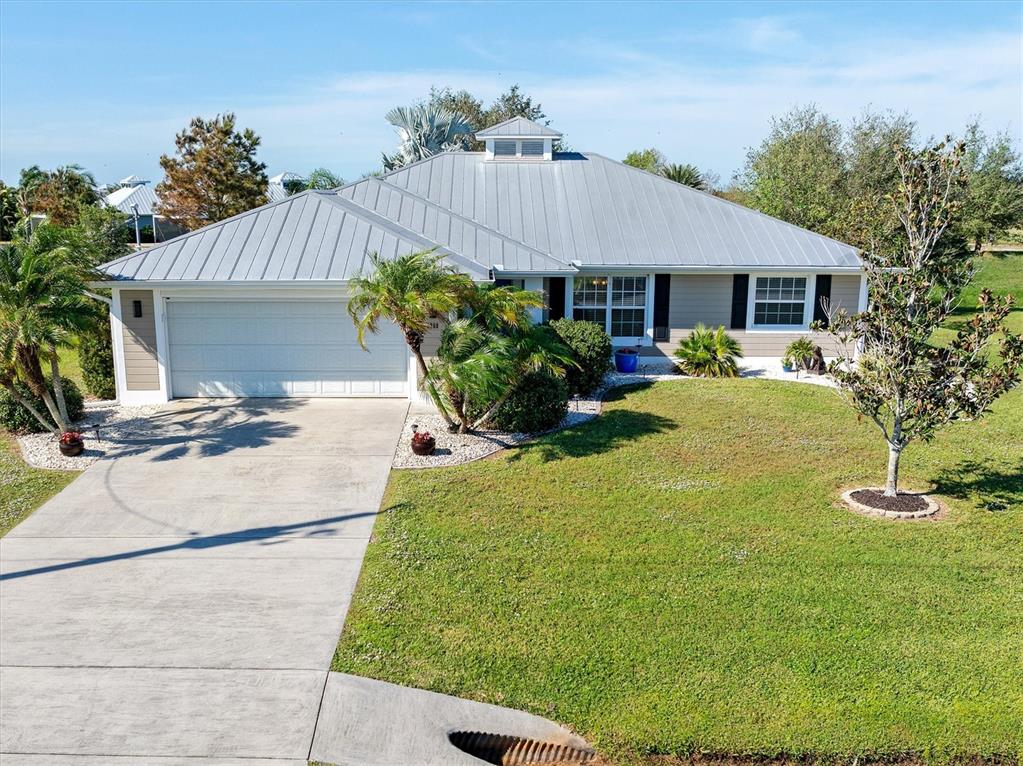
(799,352)
(626,359)
(786,364)
(423,442)
(71,443)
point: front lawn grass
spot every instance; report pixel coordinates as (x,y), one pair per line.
(676,577)
(22,488)
(1002,273)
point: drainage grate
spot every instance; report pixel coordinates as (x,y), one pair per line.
(506,750)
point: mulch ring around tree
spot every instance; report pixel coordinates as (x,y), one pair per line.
(871,501)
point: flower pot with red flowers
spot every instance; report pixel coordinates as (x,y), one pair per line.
(626,359)
(423,443)
(71,443)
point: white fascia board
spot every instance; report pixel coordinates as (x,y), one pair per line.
(150,284)
(747,269)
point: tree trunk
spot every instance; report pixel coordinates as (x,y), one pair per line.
(891,487)
(494,407)
(58,385)
(36,381)
(424,374)
(8,383)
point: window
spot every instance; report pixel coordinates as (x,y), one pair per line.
(504,149)
(779,301)
(136,309)
(589,300)
(625,297)
(532,148)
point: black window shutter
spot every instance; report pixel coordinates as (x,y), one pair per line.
(662,305)
(822,293)
(556,297)
(740,292)
(502,283)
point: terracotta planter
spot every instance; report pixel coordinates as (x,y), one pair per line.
(424,447)
(70,449)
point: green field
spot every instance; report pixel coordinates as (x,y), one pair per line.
(677,578)
(1003,274)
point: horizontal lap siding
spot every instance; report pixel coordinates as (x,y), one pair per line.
(707,298)
(141,371)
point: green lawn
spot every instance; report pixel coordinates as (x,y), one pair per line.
(23,489)
(70,367)
(1002,273)
(675,577)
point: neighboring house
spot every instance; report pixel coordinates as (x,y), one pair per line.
(277,188)
(254,305)
(134,196)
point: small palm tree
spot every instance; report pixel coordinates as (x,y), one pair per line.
(423,131)
(42,307)
(323,180)
(709,353)
(687,175)
(410,291)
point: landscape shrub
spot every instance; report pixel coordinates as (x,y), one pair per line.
(539,403)
(709,353)
(96,357)
(591,347)
(799,352)
(18,420)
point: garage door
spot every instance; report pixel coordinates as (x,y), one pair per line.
(279,348)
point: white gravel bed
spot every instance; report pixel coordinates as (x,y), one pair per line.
(114,423)
(456,449)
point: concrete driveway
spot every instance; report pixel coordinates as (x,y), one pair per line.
(183,599)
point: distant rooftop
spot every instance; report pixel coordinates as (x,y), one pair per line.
(518,127)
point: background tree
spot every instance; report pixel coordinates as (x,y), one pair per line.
(9,211)
(798,173)
(651,160)
(214,174)
(423,131)
(60,194)
(512,103)
(685,174)
(324,180)
(993,200)
(906,386)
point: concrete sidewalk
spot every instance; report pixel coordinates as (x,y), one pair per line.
(183,599)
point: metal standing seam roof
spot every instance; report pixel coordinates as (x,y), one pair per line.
(518,127)
(576,212)
(141,194)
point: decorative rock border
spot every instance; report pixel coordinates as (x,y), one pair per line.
(931,509)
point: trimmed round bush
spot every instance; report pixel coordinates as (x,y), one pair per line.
(96,357)
(18,420)
(539,403)
(591,347)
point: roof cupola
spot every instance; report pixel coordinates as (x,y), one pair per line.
(519,139)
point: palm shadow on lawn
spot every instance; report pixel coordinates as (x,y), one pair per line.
(604,433)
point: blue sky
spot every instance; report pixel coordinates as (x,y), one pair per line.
(107,85)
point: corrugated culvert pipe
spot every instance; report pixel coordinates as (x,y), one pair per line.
(506,750)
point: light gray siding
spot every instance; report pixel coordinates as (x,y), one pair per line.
(141,370)
(707,298)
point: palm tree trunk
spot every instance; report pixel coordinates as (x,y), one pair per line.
(58,384)
(8,383)
(36,381)
(424,375)
(493,408)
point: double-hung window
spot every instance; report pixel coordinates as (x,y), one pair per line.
(618,304)
(779,301)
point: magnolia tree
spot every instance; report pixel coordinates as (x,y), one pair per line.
(899,379)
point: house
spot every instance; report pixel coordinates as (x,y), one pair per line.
(134,196)
(278,186)
(255,305)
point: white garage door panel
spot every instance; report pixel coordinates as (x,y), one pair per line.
(279,348)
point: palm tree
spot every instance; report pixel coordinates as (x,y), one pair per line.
(42,306)
(423,131)
(324,180)
(486,352)
(687,175)
(709,353)
(409,290)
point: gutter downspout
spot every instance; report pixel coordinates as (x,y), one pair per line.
(97,297)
